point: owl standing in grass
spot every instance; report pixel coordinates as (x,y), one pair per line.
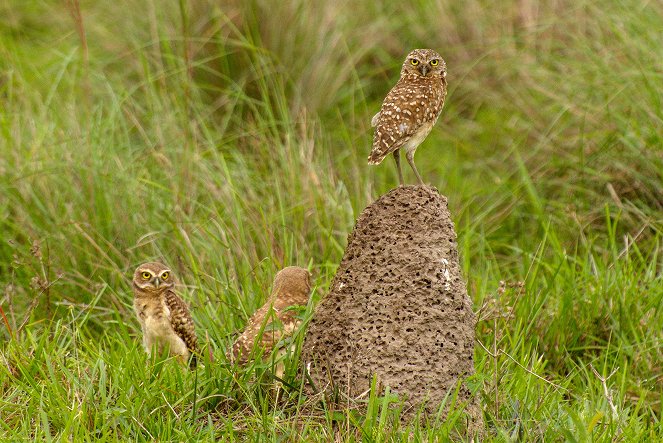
(163,315)
(276,319)
(410,110)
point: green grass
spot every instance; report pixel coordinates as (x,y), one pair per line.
(230,141)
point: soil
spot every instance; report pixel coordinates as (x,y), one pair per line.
(398,308)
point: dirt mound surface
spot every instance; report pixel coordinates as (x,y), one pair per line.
(398,307)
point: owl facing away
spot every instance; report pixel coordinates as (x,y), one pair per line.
(410,110)
(275,320)
(164,317)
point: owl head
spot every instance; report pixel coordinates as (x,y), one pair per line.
(294,280)
(153,277)
(424,63)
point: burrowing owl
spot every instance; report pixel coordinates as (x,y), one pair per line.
(163,316)
(411,109)
(291,287)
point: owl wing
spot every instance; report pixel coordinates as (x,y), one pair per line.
(404,110)
(288,315)
(263,320)
(182,323)
(244,344)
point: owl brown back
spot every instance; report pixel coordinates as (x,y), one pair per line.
(291,287)
(409,104)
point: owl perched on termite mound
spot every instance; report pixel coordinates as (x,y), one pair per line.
(291,287)
(411,109)
(163,316)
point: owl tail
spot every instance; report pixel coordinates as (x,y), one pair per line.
(375,157)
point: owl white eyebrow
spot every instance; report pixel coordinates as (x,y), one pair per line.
(146,270)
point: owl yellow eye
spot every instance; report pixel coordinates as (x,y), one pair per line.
(165,275)
(434,62)
(146,275)
(414,62)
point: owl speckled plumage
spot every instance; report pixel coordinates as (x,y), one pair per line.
(164,317)
(411,109)
(291,287)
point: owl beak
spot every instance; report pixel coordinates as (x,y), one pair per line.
(424,70)
(157,282)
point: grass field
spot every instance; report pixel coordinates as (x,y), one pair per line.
(229,139)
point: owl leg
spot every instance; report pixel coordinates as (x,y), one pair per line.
(410,159)
(146,345)
(397,157)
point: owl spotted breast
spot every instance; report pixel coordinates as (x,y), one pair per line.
(291,287)
(410,110)
(164,317)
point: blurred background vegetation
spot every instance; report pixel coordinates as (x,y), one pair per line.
(229,139)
